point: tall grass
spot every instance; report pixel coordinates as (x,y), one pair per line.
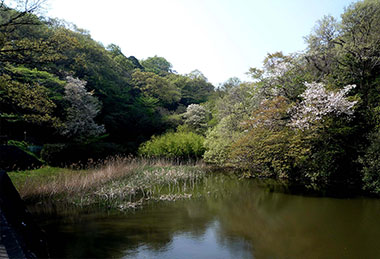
(117,182)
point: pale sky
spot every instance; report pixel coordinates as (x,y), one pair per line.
(221,38)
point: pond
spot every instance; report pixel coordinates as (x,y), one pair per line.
(236,219)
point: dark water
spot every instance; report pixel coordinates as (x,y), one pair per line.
(238,219)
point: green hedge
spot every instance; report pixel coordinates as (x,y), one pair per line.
(174,145)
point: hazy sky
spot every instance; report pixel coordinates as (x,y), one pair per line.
(221,38)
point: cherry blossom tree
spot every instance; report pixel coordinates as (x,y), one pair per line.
(196,118)
(318,102)
(82,111)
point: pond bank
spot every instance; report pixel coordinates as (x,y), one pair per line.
(20,237)
(120,183)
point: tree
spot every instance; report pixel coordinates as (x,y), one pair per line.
(229,84)
(157,65)
(44,78)
(26,101)
(268,147)
(155,86)
(371,165)
(126,66)
(194,87)
(16,26)
(219,140)
(318,103)
(19,15)
(348,52)
(196,118)
(230,111)
(360,39)
(344,53)
(322,52)
(82,110)
(239,101)
(281,75)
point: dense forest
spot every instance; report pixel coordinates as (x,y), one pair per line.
(64,91)
(310,117)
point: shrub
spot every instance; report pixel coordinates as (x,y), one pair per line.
(219,140)
(68,154)
(174,145)
(52,153)
(269,147)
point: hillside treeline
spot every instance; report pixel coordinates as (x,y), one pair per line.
(62,90)
(311,117)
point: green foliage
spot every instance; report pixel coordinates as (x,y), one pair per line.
(125,65)
(28,102)
(269,147)
(341,53)
(24,146)
(174,145)
(219,140)
(360,32)
(26,39)
(371,165)
(332,162)
(229,111)
(281,75)
(260,126)
(67,154)
(173,120)
(50,152)
(194,87)
(44,78)
(157,65)
(20,144)
(154,86)
(347,52)
(39,53)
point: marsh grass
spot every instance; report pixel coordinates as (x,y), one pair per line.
(119,182)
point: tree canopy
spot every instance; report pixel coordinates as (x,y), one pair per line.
(56,80)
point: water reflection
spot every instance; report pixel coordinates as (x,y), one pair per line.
(236,220)
(206,245)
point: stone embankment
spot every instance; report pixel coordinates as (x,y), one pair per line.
(20,237)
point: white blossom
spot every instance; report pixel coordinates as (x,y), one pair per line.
(280,67)
(196,117)
(83,109)
(318,103)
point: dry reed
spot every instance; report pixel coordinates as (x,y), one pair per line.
(115,180)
